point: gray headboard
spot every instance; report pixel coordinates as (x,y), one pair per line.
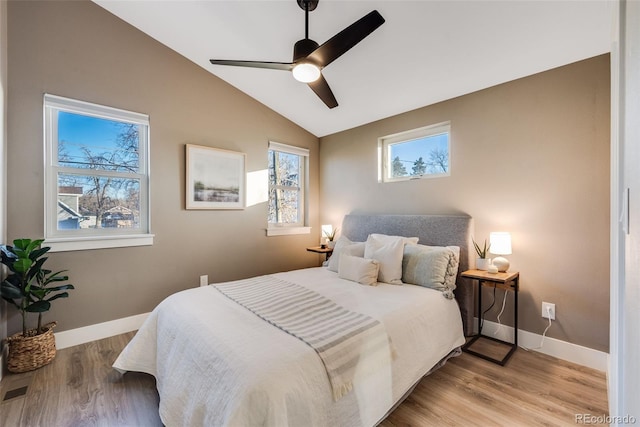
(432,230)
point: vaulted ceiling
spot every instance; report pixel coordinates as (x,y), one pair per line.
(426,51)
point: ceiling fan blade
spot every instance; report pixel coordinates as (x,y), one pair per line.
(285,66)
(322,89)
(337,45)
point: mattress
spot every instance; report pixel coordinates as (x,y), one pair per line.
(218,364)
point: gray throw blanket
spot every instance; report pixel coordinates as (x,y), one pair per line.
(347,342)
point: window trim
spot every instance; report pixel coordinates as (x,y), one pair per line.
(406,136)
(89,239)
(274,229)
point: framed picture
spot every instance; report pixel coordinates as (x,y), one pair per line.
(215,178)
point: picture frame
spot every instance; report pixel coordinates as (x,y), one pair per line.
(215,178)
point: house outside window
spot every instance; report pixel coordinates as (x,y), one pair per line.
(96,176)
(288,183)
(415,154)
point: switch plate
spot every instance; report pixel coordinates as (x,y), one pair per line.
(204,280)
(552,310)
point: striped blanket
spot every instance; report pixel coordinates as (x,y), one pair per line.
(347,342)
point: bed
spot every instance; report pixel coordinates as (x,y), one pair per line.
(241,354)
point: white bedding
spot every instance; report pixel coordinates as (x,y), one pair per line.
(218,364)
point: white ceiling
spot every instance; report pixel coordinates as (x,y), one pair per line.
(426,51)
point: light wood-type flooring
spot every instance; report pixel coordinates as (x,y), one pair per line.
(79,388)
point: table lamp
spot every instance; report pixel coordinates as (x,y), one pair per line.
(500,245)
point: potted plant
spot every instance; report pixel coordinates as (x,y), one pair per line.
(28,288)
(330,235)
(482,262)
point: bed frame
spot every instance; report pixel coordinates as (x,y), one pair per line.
(433,230)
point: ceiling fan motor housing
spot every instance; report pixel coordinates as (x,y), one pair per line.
(302,48)
(309,5)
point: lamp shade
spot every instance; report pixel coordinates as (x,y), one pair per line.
(500,243)
(327,230)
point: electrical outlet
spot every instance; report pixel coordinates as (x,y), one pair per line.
(549,310)
(204,280)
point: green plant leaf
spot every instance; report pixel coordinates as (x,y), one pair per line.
(22,265)
(39,293)
(52,279)
(38,307)
(28,286)
(39,252)
(9,290)
(58,288)
(38,262)
(21,243)
(60,295)
(482,252)
(20,253)
(33,245)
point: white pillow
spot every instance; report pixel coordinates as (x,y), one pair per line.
(361,270)
(387,250)
(344,246)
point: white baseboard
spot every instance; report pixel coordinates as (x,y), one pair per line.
(553,347)
(99,331)
(574,353)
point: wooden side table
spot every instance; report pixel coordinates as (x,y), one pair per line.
(507,281)
(327,251)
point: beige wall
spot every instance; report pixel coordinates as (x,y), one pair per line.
(3,163)
(530,157)
(76,49)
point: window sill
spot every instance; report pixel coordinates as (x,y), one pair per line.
(285,231)
(88,243)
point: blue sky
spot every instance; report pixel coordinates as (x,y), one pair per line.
(86,130)
(412,150)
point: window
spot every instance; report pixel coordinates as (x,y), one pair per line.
(96,176)
(418,153)
(288,184)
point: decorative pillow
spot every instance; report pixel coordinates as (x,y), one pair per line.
(433,267)
(344,246)
(387,250)
(357,269)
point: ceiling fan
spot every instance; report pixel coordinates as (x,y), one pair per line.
(309,58)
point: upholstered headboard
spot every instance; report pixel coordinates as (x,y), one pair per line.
(432,230)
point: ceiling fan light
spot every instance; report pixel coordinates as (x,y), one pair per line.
(306,72)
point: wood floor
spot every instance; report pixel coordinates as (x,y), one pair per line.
(79,388)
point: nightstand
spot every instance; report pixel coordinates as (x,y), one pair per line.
(507,281)
(327,251)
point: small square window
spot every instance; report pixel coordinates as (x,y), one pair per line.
(418,153)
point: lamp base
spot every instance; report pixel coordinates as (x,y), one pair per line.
(502,264)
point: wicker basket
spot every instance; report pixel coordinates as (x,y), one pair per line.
(31,352)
